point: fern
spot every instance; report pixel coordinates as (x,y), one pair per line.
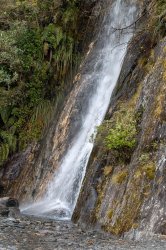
(9,139)
(43,112)
(70,14)
(5,114)
(4,153)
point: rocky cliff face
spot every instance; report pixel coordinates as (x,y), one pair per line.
(124,188)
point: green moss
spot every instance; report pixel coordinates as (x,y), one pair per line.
(138,174)
(142,62)
(161,6)
(126,211)
(144,158)
(147,166)
(126,217)
(120,177)
(150,170)
(101,189)
(110,214)
(108,170)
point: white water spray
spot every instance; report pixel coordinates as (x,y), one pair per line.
(62,193)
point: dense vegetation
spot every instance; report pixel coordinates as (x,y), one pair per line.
(39,49)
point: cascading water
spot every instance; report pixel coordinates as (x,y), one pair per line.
(62,193)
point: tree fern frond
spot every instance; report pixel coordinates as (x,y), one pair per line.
(4,153)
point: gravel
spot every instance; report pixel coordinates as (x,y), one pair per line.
(30,233)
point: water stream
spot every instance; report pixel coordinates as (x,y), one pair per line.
(61,196)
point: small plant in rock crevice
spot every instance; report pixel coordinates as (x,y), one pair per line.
(123,133)
(119,134)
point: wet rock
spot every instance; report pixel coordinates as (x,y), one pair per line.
(162,228)
(9,202)
(4,211)
(3,201)
(12,203)
(9,207)
(14,212)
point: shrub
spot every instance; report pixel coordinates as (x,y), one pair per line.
(123,132)
(118,135)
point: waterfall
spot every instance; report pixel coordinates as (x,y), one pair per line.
(62,193)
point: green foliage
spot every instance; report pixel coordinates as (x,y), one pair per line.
(8,144)
(53,35)
(5,114)
(161,6)
(37,52)
(150,170)
(118,135)
(144,158)
(148,166)
(70,14)
(62,45)
(4,153)
(30,48)
(122,133)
